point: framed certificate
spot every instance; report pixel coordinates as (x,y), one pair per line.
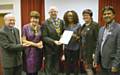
(66,36)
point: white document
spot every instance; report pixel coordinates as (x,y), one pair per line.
(66,37)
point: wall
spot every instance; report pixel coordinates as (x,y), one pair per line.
(77,5)
(16,10)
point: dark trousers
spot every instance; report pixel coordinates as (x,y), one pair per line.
(32,73)
(107,72)
(71,59)
(51,64)
(13,71)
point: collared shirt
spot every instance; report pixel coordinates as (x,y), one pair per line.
(105,34)
(104,38)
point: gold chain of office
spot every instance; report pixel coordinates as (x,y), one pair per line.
(56,24)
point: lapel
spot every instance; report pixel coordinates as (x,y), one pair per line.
(113,26)
(51,25)
(8,32)
(16,35)
(10,35)
(101,34)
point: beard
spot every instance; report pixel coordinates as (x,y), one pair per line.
(108,20)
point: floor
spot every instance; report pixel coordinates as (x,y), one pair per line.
(42,73)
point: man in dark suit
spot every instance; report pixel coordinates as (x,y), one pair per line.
(53,28)
(11,47)
(108,46)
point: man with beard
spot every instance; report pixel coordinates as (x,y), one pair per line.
(53,28)
(108,46)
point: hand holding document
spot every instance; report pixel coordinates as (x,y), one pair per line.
(65,40)
(66,37)
(57,42)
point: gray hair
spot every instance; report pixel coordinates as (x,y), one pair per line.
(53,8)
(8,15)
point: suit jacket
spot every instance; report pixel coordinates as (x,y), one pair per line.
(50,34)
(11,47)
(110,54)
(90,34)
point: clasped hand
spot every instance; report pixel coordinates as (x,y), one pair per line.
(38,45)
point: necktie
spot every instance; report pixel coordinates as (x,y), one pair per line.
(13,35)
(12,31)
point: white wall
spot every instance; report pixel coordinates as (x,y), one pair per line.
(77,5)
(16,10)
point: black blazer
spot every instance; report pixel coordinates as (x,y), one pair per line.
(11,47)
(89,37)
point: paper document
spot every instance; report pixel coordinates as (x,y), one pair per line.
(66,37)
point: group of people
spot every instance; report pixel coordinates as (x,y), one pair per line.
(97,48)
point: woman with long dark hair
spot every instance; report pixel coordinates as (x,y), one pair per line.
(72,49)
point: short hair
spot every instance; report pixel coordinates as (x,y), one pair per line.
(75,17)
(34,14)
(8,15)
(53,8)
(108,8)
(87,11)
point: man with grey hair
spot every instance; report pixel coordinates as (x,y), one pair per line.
(53,28)
(11,47)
